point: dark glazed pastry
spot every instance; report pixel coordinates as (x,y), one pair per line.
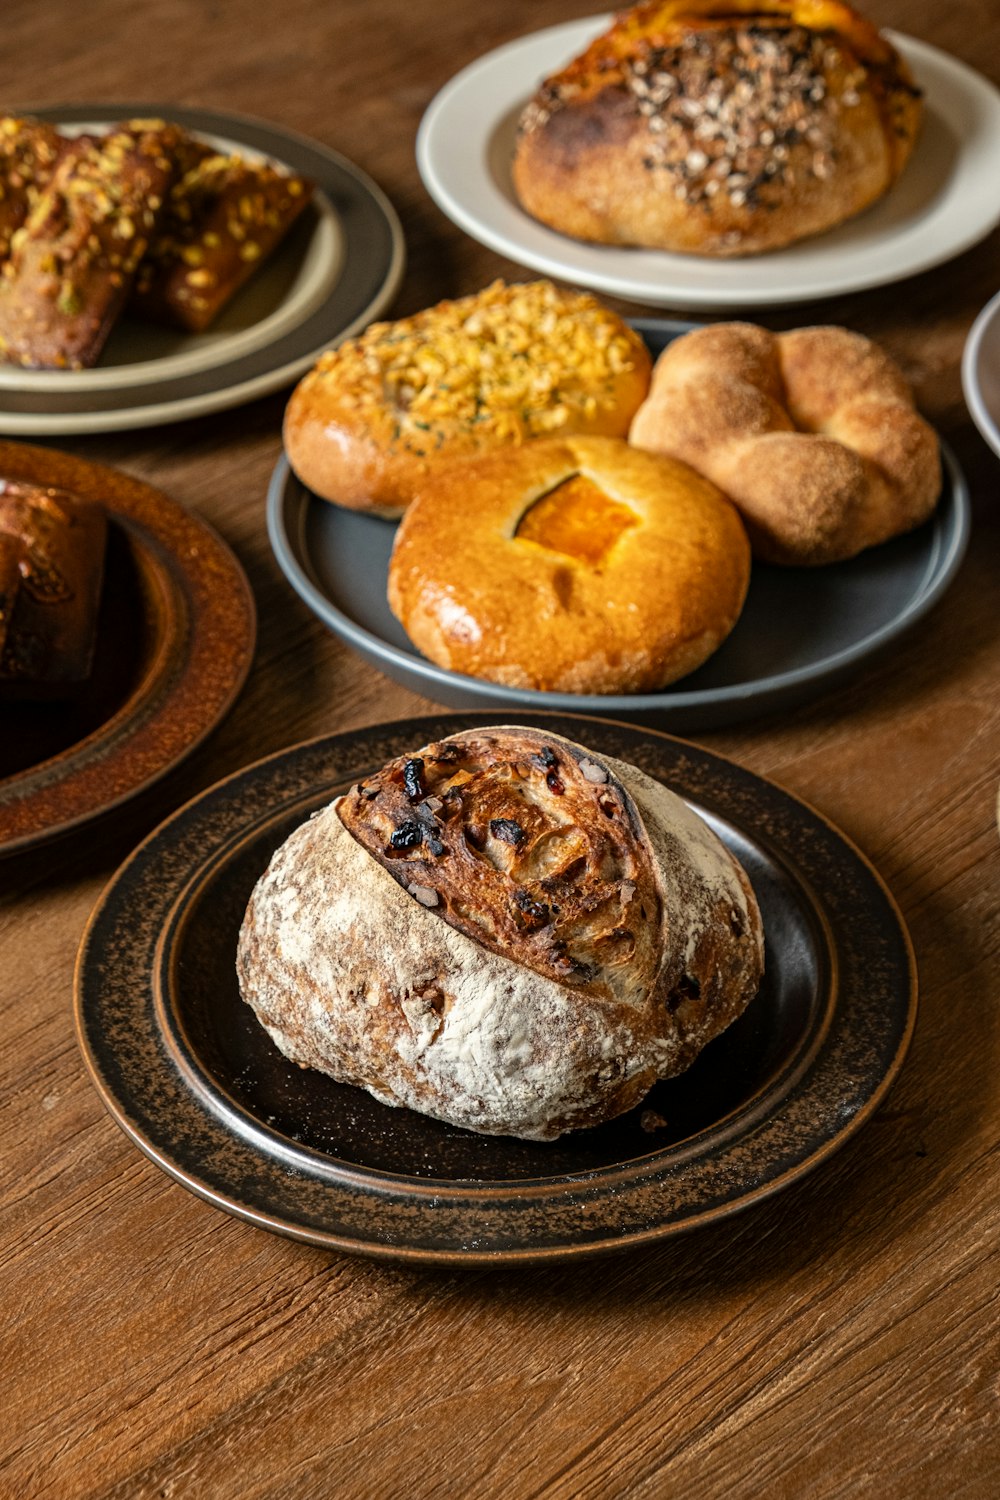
(504,931)
(51,568)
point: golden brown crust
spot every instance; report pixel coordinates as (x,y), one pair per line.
(73,261)
(636,592)
(718,127)
(813,434)
(427,977)
(377,414)
(224,217)
(51,568)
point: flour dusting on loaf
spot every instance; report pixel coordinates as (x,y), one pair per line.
(505,931)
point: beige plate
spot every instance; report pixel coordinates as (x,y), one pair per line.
(337,269)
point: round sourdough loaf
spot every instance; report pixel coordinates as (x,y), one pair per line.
(504,931)
(718,127)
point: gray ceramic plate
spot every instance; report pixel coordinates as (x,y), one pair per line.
(338,268)
(801,630)
(189,1075)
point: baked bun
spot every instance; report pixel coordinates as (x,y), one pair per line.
(813,434)
(718,127)
(504,931)
(366,426)
(578,566)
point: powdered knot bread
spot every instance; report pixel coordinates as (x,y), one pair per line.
(504,931)
(813,434)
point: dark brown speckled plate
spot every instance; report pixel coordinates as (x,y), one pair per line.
(187,1072)
(175,641)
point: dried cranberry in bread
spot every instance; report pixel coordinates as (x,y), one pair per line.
(504,931)
(718,127)
(512,362)
(52,548)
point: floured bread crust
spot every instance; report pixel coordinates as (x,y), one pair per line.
(510,934)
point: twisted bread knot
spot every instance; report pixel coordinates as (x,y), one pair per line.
(813,434)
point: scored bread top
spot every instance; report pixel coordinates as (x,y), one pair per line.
(526,845)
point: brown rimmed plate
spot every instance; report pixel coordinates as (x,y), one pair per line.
(175,641)
(188,1074)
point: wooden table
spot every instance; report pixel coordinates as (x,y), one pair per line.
(839,1340)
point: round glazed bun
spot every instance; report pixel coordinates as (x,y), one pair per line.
(503,931)
(718,127)
(367,425)
(579,566)
(813,434)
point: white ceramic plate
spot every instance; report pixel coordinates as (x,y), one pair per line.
(337,269)
(981,372)
(947,199)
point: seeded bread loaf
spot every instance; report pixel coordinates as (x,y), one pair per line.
(73,261)
(224,217)
(52,548)
(378,413)
(503,931)
(718,127)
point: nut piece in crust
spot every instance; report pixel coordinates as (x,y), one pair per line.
(380,412)
(580,566)
(718,127)
(502,930)
(813,434)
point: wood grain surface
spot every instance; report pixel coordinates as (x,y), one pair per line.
(840,1340)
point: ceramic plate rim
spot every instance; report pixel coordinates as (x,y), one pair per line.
(215,385)
(213,583)
(839,1125)
(658,278)
(986,323)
